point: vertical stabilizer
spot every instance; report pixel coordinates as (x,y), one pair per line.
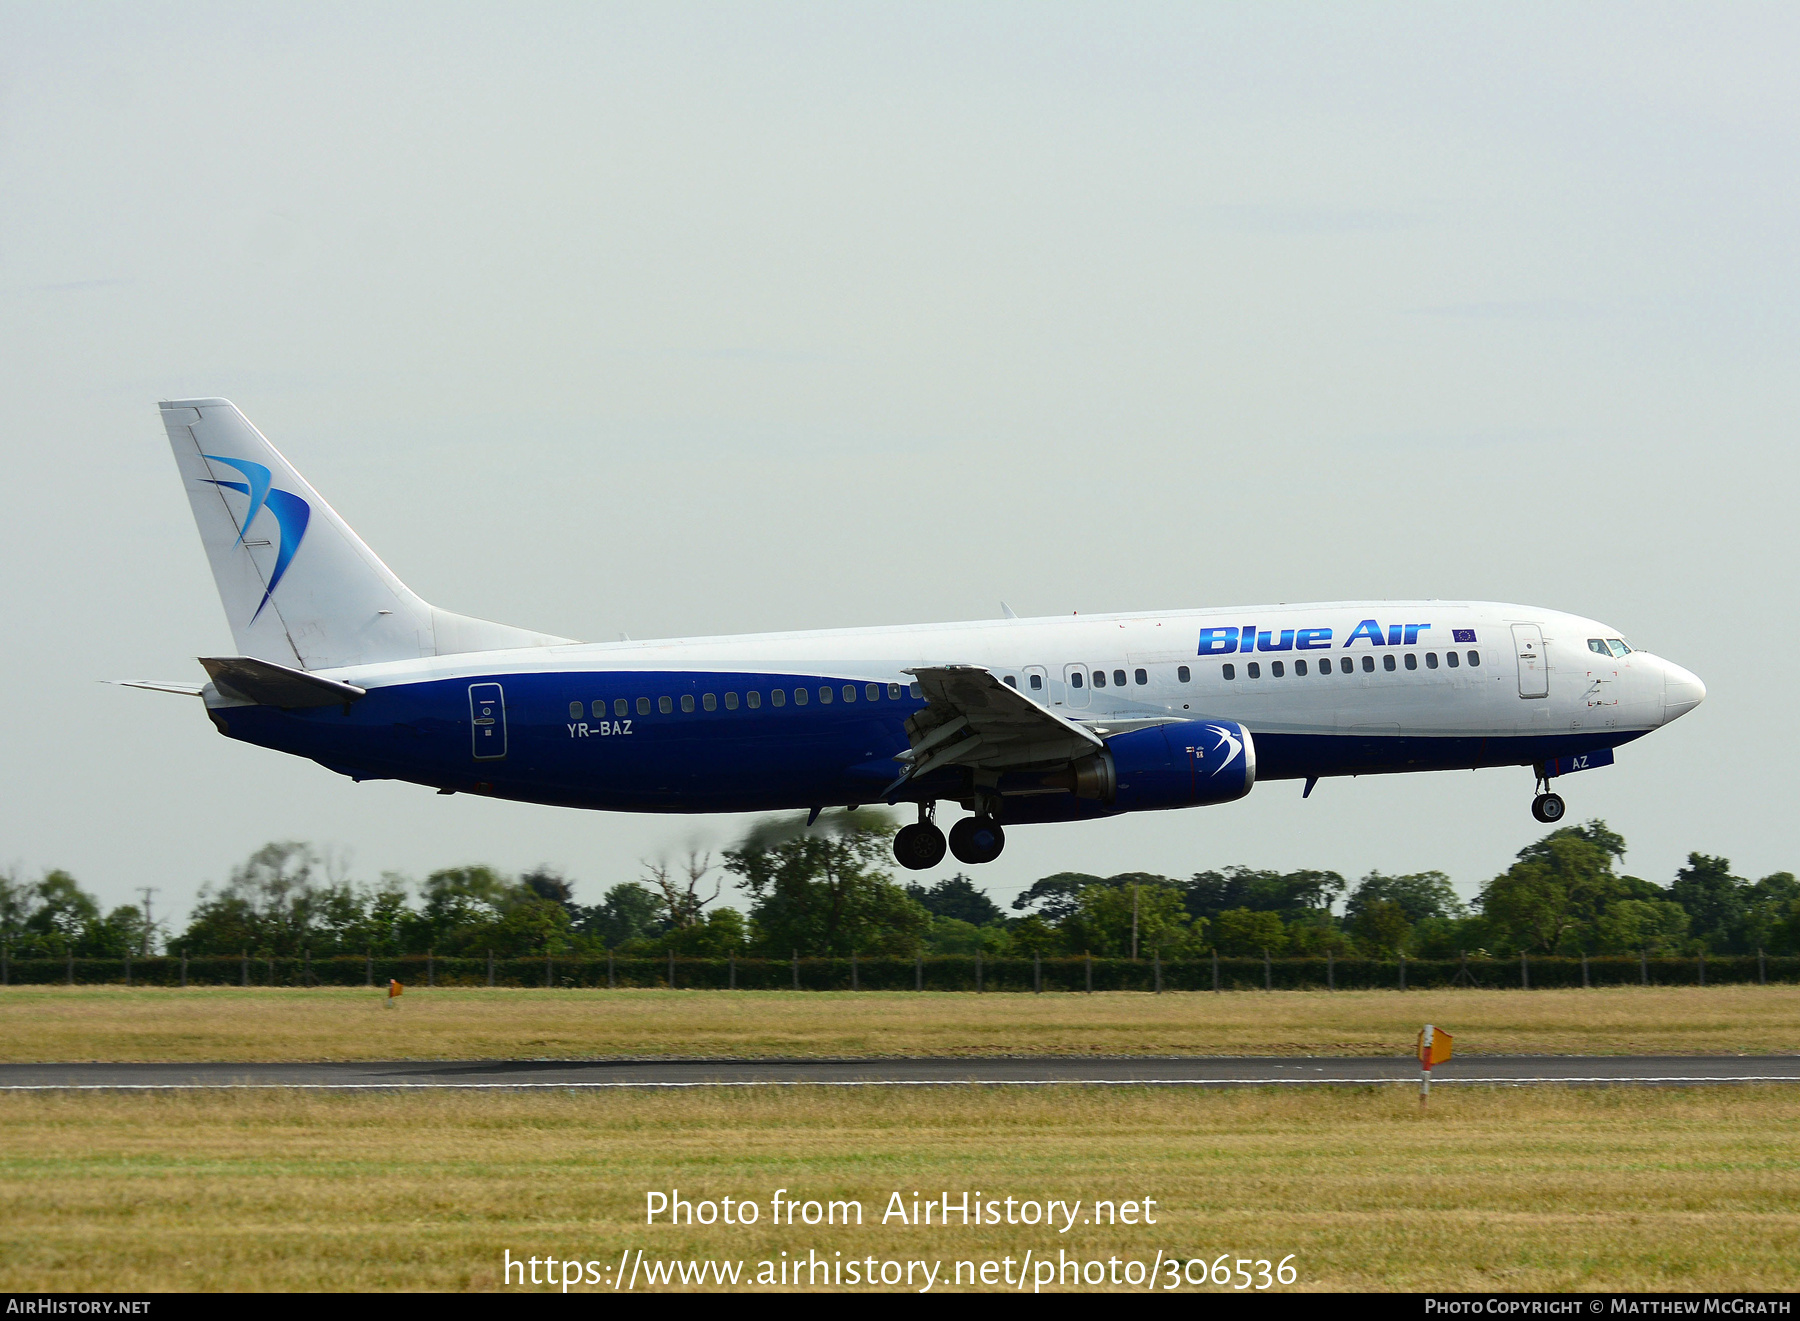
(299,587)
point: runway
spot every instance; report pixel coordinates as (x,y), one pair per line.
(1209,1071)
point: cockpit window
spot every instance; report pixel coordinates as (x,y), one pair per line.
(1599,645)
(1618,646)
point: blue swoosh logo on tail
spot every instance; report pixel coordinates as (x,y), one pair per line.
(292,514)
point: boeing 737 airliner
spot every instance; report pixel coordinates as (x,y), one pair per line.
(1015,720)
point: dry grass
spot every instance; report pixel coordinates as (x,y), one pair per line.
(1527,1189)
(222,1023)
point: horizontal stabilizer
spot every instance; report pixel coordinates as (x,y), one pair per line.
(269,684)
(156,686)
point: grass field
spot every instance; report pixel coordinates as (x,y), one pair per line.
(222,1023)
(1507,1189)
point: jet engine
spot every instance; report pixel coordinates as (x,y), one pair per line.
(1186,763)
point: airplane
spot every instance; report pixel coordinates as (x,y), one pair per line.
(1016,721)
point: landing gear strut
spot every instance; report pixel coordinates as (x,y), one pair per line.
(1547,807)
(920,845)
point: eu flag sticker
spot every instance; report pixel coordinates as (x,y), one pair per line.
(1463,634)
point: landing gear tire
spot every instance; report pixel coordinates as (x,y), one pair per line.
(919,846)
(977,839)
(1548,808)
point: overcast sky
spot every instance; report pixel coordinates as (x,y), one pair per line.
(681,320)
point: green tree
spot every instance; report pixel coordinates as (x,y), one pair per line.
(1244,932)
(952,935)
(826,890)
(1716,902)
(1382,926)
(1291,894)
(1103,922)
(629,912)
(1771,900)
(1056,897)
(1654,926)
(956,897)
(1550,900)
(1421,895)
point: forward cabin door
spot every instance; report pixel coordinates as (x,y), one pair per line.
(487,721)
(1534,674)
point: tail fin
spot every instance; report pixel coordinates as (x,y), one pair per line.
(299,587)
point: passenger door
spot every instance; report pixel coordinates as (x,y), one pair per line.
(1534,673)
(487,721)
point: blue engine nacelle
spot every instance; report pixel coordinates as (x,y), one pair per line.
(1184,764)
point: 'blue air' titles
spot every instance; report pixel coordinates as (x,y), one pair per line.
(1229,638)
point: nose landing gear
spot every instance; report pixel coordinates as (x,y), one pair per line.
(920,845)
(1547,807)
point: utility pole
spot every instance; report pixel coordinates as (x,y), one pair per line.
(1134,907)
(144,938)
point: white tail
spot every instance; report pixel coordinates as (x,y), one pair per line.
(299,587)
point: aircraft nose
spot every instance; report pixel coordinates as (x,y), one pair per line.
(1682,692)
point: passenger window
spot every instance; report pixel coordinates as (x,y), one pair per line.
(1412,661)
(1368,665)
(1010,682)
(687,701)
(915,690)
(577,710)
(1277,669)
(1300,668)
(620,706)
(1431,660)
(1254,670)
(665,704)
(1474,658)
(778,697)
(849,692)
(731,701)
(1118,678)
(1183,674)
(800,697)
(1451,659)
(599,708)
(1037,682)
(1345,664)
(824,694)
(1387,663)
(1140,676)
(1599,645)
(872,692)
(894,691)
(1228,670)
(753,700)
(710,702)
(1099,678)
(643,706)
(1075,679)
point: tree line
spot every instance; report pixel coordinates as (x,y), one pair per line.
(828,890)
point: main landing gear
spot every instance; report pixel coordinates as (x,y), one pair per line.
(977,839)
(974,840)
(1547,807)
(920,845)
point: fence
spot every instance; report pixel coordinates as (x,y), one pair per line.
(929,974)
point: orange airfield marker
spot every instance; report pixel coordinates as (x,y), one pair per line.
(1434,1048)
(395,989)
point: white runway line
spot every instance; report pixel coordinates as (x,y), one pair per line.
(871,1082)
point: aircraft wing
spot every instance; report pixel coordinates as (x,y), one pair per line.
(972,719)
